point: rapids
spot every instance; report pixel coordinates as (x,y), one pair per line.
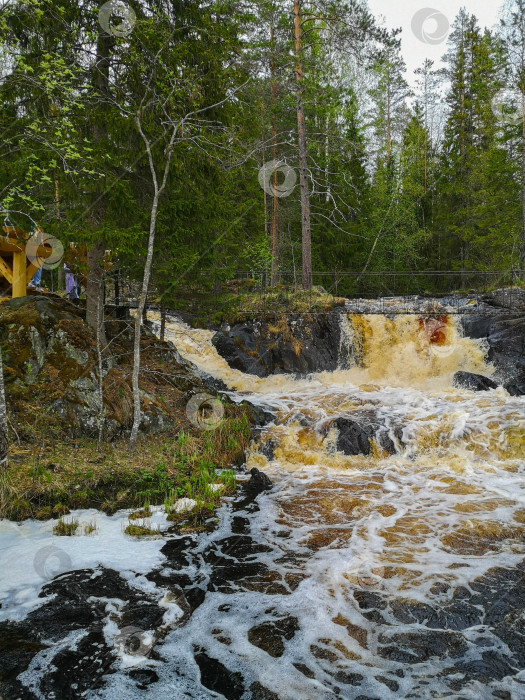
(378,551)
(397,574)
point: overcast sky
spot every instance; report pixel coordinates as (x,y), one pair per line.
(431,19)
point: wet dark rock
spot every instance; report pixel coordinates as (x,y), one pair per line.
(368,600)
(355,435)
(268,449)
(304,670)
(491,666)
(415,647)
(178,552)
(215,676)
(259,692)
(241,547)
(74,603)
(235,355)
(323,653)
(515,387)
(195,597)
(144,677)
(293,343)
(261,416)
(474,382)
(86,663)
(389,682)
(353,438)
(348,678)
(504,332)
(240,525)
(453,615)
(270,636)
(18,644)
(252,576)
(258,482)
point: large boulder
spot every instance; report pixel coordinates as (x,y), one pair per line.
(355,435)
(504,333)
(292,343)
(474,382)
(51,371)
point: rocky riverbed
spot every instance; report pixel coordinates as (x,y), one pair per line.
(376,550)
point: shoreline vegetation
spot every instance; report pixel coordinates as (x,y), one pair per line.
(56,461)
(52,480)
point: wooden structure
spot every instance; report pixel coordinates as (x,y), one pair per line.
(15,267)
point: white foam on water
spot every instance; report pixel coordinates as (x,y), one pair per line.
(22,543)
(413,526)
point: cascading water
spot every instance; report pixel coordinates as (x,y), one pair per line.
(393,574)
(396,572)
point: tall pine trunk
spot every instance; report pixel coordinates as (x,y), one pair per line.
(522,251)
(275,201)
(303,160)
(95,258)
(95,290)
(4,439)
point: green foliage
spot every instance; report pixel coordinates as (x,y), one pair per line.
(65,529)
(386,190)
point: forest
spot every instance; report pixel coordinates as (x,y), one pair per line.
(262,350)
(275,137)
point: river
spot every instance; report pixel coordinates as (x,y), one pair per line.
(396,574)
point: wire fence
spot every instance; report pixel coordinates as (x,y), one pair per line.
(254,292)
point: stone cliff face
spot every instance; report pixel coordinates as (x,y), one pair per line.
(294,343)
(51,372)
(505,334)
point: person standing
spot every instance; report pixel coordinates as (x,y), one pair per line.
(71,284)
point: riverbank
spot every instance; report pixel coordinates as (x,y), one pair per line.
(56,463)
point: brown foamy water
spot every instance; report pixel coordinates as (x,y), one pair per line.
(381,556)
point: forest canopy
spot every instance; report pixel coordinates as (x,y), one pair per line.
(289,134)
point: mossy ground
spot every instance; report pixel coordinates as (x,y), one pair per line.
(50,477)
(239,301)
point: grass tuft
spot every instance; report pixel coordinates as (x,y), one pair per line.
(65,529)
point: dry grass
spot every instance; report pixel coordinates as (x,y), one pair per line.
(47,481)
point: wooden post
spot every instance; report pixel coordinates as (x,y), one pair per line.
(19,274)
